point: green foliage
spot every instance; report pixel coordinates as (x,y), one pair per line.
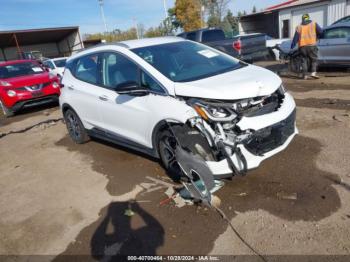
(114,36)
(254,9)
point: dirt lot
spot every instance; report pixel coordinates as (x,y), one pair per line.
(58,198)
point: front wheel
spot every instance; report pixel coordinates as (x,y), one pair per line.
(75,127)
(7,111)
(166,149)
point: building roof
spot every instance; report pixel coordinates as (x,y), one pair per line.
(35,36)
(291,3)
(284,5)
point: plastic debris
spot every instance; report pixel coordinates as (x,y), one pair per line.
(285,196)
(128,212)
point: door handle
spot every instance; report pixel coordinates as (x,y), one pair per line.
(70,87)
(103,98)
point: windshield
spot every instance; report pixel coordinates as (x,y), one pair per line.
(22,69)
(60,63)
(187,61)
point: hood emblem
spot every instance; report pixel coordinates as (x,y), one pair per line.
(34,87)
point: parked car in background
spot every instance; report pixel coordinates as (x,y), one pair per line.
(333,46)
(31,55)
(248,47)
(271,43)
(342,20)
(56,65)
(142,93)
(25,83)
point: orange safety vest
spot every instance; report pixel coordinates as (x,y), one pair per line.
(307,34)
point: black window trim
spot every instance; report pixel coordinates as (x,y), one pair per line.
(74,69)
(99,70)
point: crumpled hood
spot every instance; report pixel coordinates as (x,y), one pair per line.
(246,82)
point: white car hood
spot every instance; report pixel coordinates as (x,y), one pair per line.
(246,82)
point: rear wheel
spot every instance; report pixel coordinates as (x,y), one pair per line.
(7,111)
(75,127)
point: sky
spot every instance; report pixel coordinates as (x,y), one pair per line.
(121,14)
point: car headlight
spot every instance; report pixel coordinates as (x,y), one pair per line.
(4,83)
(216,114)
(52,75)
(11,93)
(282,90)
(55,85)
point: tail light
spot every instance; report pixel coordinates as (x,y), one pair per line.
(237,45)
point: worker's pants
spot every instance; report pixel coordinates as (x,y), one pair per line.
(309,54)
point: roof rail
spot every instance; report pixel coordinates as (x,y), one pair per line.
(103,44)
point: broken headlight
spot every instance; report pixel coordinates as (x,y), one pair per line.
(215,113)
(282,89)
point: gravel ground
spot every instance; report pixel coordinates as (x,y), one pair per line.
(58,198)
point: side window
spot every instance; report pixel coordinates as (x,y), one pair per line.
(49,64)
(86,69)
(150,83)
(340,32)
(117,69)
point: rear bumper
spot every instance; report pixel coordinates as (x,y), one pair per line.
(255,56)
(273,133)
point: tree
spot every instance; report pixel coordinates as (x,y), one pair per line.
(216,8)
(174,21)
(188,13)
(254,9)
(233,21)
(213,21)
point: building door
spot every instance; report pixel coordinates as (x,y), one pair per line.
(285,29)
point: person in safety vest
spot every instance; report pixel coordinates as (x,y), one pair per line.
(306,36)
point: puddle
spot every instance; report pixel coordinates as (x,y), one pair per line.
(289,186)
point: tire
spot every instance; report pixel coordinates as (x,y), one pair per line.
(75,127)
(166,150)
(7,111)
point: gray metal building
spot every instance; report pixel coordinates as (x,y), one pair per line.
(280,21)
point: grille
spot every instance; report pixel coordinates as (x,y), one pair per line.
(35,87)
(269,138)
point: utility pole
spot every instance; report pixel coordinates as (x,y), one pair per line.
(165,9)
(137,28)
(103,14)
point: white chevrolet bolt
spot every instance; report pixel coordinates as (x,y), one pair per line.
(151,94)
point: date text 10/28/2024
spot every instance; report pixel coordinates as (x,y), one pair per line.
(172,258)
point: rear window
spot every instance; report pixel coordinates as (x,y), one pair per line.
(20,69)
(191,36)
(212,35)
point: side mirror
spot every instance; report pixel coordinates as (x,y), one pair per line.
(131,88)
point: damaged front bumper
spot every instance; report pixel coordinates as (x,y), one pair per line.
(269,134)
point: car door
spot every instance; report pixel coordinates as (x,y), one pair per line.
(84,89)
(126,117)
(334,46)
